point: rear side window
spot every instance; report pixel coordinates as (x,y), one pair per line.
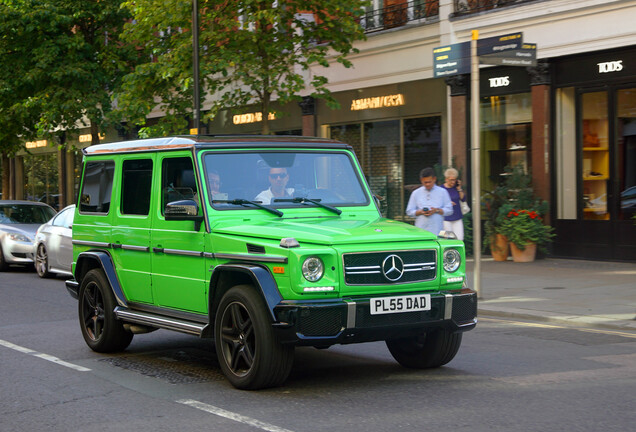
(97,187)
(136,185)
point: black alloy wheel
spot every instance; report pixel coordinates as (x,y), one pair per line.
(100,328)
(249,354)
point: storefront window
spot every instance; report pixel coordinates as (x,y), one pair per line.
(391,154)
(626,137)
(383,162)
(506,124)
(422,148)
(349,134)
(595,163)
(42,178)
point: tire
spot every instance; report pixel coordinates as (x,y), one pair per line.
(3,263)
(101,330)
(433,349)
(42,262)
(249,354)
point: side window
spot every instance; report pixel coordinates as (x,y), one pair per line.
(62,218)
(135,186)
(177,181)
(97,187)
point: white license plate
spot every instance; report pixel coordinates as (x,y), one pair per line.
(409,303)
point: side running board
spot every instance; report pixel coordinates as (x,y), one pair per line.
(144,318)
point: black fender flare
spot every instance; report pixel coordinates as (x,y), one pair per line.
(259,276)
(91,259)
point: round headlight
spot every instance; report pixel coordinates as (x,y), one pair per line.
(313,269)
(452,260)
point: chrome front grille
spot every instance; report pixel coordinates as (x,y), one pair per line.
(390,267)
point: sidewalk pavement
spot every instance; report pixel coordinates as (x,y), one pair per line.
(573,292)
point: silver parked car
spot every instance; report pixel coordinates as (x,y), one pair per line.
(53,247)
(19,220)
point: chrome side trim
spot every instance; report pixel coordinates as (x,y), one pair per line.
(135,248)
(182,252)
(91,243)
(159,321)
(258,258)
(351,314)
(448,306)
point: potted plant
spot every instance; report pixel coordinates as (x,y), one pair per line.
(492,203)
(525,231)
(513,193)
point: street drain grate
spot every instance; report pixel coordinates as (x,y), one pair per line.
(175,367)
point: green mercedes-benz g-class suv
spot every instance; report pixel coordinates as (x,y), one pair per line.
(262,243)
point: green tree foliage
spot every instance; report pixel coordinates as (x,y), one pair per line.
(65,60)
(251,53)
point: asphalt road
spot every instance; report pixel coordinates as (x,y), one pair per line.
(508,376)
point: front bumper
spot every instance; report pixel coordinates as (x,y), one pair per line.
(348,320)
(17,252)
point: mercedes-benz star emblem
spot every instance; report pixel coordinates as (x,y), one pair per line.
(393,267)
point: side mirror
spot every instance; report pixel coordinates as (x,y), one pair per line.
(184,210)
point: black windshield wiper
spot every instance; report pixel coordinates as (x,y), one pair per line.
(303,200)
(240,201)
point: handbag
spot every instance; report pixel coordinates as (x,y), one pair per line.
(465,207)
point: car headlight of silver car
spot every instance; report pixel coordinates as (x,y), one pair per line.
(313,269)
(19,237)
(452,260)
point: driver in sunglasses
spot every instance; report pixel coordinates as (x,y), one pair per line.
(278,178)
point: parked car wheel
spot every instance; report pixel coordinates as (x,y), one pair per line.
(42,262)
(100,328)
(249,354)
(433,349)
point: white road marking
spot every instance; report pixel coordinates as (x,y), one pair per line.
(231,415)
(43,356)
(583,329)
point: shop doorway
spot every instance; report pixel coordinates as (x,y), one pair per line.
(596,195)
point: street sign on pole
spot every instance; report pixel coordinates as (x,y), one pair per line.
(464,58)
(451,60)
(475,162)
(525,56)
(498,44)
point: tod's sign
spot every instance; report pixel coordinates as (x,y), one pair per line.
(611,66)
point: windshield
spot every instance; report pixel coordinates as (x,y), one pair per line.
(25,214)
(279,179)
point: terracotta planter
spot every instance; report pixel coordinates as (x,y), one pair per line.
(499,247)
(526,255)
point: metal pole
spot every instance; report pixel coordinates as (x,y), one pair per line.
(475,161)
(195,65)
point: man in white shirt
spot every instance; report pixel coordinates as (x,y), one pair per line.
(429,203)
(278,178)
